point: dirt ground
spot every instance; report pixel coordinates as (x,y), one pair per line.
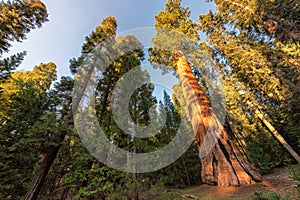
(278,181)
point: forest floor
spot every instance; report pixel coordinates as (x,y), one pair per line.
(275,186)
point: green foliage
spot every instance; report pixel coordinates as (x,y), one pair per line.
(23,97)
(259,60)
(172,21)
(7,65)
(276,18)
(262,148)
(102,33)
(23,101)
(187,168)
(257,55)
(295,174)
(17,18)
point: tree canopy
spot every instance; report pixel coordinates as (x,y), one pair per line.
(239,90)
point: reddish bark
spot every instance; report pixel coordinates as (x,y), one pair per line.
(223,164)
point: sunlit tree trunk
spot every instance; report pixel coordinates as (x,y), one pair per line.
(278,136)
(275,133)
(223,165)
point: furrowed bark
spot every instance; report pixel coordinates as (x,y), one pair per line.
(223,165)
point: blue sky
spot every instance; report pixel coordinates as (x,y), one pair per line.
(71,21)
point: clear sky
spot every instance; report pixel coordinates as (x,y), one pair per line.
(70,21)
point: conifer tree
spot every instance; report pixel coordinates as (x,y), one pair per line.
(103,32)
(223,165)
(257,43)
(19,17)
(23,100)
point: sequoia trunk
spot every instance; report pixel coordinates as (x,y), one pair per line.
(222,163)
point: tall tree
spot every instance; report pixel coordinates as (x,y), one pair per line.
(88,176)
(223,165)
(256,43)
(23,100)
(103,32)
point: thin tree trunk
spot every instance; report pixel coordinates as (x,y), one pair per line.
(275,133)
(186,173)
(133,193)
(278,136)
(223,165)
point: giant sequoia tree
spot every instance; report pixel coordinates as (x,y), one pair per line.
(257,44)
(224,165)
(253,44)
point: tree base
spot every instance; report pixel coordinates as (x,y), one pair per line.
(225,166)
